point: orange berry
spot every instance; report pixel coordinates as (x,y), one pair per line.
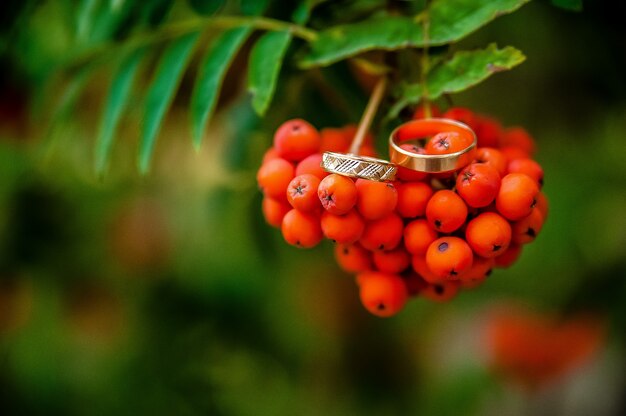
(412,198)
(393,261)
(478,184)
(301,229)
(446,211)
(274,211)
(512,153)
(296,139)
(492,157)
(447,142)
(344,229)
(334,140)
(518,137)
(517,196)
(407,174)
(420,267)
(464,115)
(509,257)
(382,234)
(489,235)
(476,275)
(311,165)
(382,294)
(526,229)
(528,167)
(440,292)
(270,154)
(488,131)
(418,236)
(337,193)
(375,199)
(449,257)
(353,258)
(302,193)
(274,177)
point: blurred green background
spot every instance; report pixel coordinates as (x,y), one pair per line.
(168,294)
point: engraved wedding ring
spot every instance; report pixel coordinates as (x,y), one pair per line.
(421,129)
(356,166)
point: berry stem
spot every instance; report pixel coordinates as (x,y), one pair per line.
(368,115)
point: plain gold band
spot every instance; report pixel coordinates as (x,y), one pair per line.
(356,166)
(418,129)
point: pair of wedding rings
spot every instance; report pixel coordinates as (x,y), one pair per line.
(381,170)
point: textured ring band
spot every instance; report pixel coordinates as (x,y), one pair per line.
(418,129)
(358,166)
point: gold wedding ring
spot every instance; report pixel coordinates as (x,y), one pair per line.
(421,129)
(356,166)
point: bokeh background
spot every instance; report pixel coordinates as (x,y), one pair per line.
(168,294)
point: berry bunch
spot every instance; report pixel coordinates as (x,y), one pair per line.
(424,234)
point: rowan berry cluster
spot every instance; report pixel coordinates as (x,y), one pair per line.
(424,234)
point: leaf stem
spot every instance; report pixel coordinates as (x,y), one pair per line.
(368,115)
(183,27)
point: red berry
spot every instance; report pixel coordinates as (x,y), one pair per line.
(274,177)
(492,157)
(375,199)
(517,196)
(302,229)
(446,211)
(382,294)
(337,193)
(274,211)
(526,230)
(489,235)
(446,143)
(488,132)
(449,257)
(478,184)
(311,164)
(518,137)
(418,236)
(353,258)
(296,139)
(393,261)
(382,234)
(528,167)
(302,193)
(412,198)
(344,229)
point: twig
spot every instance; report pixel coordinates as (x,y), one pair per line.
(368,115)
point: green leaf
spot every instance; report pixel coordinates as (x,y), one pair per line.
(210,77)
(450,21)
(206,7)
(464,70)
(115,106)
(253,7)
(573,5)
(266,60)
(168,74)
(468,68)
